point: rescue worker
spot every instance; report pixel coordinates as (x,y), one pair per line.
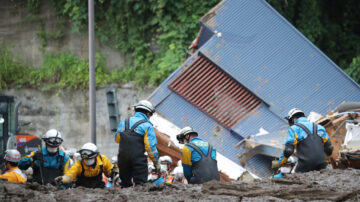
(310,140)
(165,162)
(88,172)
(198,158)
(48,162)
(13,173)
(136,135)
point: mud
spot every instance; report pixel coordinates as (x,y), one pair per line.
(326,185)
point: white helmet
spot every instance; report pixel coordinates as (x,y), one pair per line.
(178,170)
(165,159)
(53,138)
(292,113)
(12,155)
(88,151)
(144,104)
(186,130)
(178,174)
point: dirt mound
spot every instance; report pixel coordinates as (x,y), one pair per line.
(326,185)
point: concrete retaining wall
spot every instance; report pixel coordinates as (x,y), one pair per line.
(68,112)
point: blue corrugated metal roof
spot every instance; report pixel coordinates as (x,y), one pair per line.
(259,118)
(264,52)
(267,55)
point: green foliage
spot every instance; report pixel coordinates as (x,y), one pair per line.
(333,26)
(33,6)
(354,69)
(11,72)
(155,33)
(58,71)
(144,30)
(45,36)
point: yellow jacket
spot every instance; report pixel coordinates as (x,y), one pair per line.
(14,175)
(76,170)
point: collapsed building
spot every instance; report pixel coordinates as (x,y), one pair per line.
(248,67)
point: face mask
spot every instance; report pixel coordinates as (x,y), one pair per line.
(163,168)
(89,162)
(52,150)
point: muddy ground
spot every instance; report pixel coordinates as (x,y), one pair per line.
(326,185)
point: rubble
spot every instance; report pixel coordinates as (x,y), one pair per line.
(343,128)
(325,185)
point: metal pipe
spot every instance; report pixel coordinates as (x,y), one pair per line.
(92,95)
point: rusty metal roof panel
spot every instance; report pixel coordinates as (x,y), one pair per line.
(214,92)
(265,53)
(163,91)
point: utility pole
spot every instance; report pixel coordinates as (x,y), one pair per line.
(92,92)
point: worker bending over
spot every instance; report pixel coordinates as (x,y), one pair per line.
(310,140)
(198,158)
(88,172)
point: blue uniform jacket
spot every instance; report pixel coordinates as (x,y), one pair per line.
(145,129)
(49,161)
(190,156)
(297,134)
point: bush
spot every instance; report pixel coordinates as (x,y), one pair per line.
(12,73)
(58,71)
(354,69)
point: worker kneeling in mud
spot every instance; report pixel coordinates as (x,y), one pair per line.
(88,172)
(198,158)
(49,162)
(135,135)
(311,141)
(13,173)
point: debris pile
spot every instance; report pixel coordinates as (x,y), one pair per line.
(329,185)
(343,127)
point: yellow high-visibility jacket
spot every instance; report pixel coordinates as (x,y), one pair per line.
(76,169)
(14,175)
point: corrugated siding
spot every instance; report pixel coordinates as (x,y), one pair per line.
(260,49)
(215,93)
(163,91)
(259,165)
(262,117)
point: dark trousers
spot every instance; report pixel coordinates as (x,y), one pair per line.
(132,169)
(307,168)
